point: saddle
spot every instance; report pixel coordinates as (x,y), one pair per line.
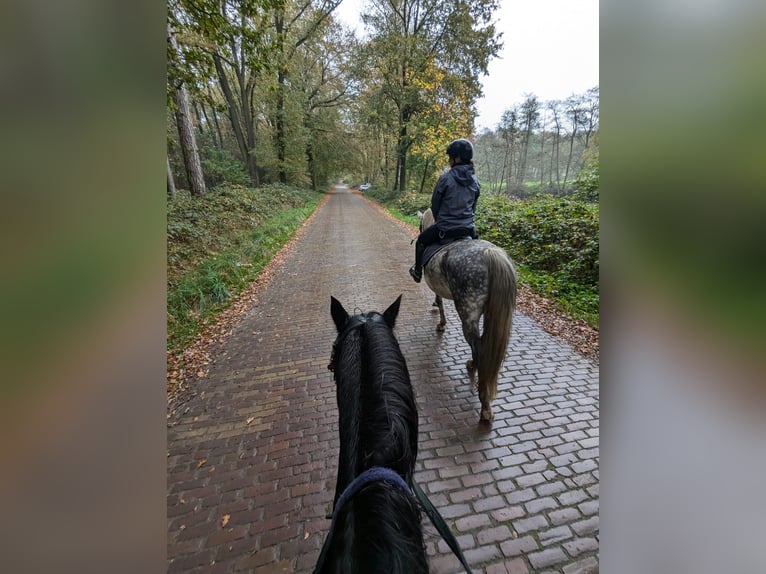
(434,248)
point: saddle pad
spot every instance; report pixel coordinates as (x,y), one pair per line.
(434,248)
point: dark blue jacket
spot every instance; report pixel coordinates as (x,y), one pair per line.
(453,202)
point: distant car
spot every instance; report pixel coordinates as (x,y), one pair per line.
(364,187)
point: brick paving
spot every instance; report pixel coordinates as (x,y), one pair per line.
(252,453)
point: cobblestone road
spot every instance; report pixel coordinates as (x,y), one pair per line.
(252,454)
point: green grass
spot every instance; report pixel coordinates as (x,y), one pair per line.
(217,246)
(413,220)
(575,300)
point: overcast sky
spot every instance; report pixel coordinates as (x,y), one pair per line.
(550,49)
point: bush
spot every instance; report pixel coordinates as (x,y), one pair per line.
(381,195)
(587,181)
(411,202)
(220,167)
(555,235)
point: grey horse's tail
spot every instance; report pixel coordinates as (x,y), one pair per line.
(497,319)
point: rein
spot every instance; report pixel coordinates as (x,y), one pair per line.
(374,474)
(382,474)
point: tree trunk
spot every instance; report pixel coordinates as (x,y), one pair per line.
(214,113)
(522,175)
(171,181)
(402,146)
(558,163)
(542,155)
(280,131)
(280,144)
(310,152)
(386,165)
(209,125)
(502,171)
(425,175)
(247,156)
(186,138)
(569,159)
(188,142)
(198,116)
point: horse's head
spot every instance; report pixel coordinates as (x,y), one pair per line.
(343,320)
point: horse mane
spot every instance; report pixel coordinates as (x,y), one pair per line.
(379,529)
(375,401)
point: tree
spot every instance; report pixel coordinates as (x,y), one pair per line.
(408,37)
(321,81)
(587,180)
(186,136)
(446,112)
(575,111)
(171,181)
(529,117)
(554,106)
(590,113)
(508,130)
(227,39)
(294,23)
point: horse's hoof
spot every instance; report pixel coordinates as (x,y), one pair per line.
(469,365)
(486,415)
(440,328)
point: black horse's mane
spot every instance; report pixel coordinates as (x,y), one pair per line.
(378,530)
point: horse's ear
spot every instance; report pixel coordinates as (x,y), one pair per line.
(392,312)
(339,315)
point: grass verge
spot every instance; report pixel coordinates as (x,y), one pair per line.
(217,245)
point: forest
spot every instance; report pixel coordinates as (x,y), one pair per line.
(262,91)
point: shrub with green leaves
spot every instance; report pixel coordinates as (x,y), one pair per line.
(587,182)
(221,167)
(555,244)
(555,235)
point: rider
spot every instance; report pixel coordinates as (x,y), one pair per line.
(453,203)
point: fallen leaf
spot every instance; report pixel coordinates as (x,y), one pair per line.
(305,536)
(225,520)
(201,463)
(251,419)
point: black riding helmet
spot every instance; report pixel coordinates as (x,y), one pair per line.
(461,148)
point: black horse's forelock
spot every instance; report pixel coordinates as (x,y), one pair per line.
(380,530)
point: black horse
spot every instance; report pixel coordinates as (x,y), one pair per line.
(376,519)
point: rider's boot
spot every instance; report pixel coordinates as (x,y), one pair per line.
(416,271)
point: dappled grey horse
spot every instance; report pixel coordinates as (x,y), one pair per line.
(481,279)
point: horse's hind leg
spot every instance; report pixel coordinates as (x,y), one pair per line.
(442,319)
(473,338)
(486,407)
